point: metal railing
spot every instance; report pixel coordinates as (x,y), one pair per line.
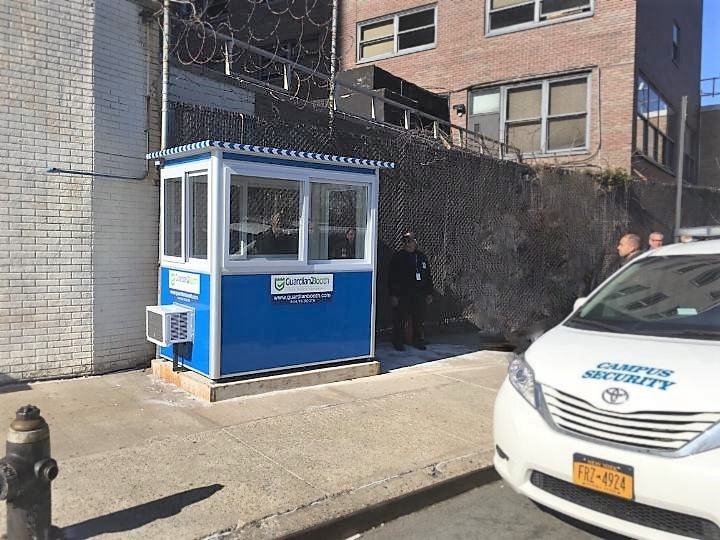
(710,87)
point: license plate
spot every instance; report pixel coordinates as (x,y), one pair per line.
(604,476)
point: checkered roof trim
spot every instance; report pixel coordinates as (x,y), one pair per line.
(310,156)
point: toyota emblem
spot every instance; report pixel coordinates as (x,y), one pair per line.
(615,396)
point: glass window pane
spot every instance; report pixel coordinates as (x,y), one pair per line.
(377,30)
(237,227)
(651,142)
(264,217)
(338,221)
(552,6)
(497,4)
(643,96)
(564,133)
(512,16)
(416,20)
(669,153)
(172,226)
(524,102)
(487,125)
(568,97)
(376,49)
(525,136)
(416,38)
(485,101)
(198,217)
(640,134)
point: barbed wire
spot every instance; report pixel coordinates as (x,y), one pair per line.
(296,30)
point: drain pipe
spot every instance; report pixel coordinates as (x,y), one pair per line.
(165,74)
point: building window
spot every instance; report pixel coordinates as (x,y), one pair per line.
(537,118)
(484,117)
(396,34)
(504,14)
(675,42)
(654,124)
(338,221)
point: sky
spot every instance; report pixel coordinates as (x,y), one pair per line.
(711,45)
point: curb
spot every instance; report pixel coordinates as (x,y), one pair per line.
(367,518)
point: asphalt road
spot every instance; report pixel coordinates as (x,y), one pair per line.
(491,512)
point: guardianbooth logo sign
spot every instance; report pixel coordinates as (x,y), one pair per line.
(184,282)
(301,288)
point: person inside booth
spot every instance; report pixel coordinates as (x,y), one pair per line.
(345,249)
(274,241)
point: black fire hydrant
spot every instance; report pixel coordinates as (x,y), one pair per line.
(25,475)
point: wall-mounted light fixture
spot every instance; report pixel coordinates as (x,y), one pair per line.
(460,109)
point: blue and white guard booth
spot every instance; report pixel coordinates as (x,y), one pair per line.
(267,259)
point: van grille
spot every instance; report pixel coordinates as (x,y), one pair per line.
(630,511)
(665,431)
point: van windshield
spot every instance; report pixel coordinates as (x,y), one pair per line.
(677,296)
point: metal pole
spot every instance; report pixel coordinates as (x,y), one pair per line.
(165,74)
(679,168)
(333,63)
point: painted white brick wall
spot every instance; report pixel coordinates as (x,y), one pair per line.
(125,212)
(189,85)
(46,119)
(79,255)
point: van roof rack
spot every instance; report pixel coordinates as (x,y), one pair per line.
(699,232)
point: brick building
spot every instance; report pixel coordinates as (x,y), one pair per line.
(78,253)
(568,81)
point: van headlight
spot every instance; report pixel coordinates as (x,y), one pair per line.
(522,377)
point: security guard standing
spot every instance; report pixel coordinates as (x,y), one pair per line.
(411,287)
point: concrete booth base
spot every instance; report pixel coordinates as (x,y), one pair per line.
(209,390)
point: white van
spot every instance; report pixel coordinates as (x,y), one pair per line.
(613,417)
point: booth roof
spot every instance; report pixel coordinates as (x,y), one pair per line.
(312,156)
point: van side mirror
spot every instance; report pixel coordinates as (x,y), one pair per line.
(580,302)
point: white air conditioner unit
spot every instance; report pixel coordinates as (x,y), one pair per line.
(170,324)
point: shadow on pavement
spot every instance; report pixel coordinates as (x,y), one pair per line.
(8,385)
(440,345)
(140,515)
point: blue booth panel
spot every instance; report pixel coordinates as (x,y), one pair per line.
(260,334)
(195,355)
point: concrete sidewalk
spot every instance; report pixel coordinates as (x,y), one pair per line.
(140,459)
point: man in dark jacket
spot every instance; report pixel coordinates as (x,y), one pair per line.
(411,290)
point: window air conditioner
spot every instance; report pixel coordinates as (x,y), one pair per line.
(166,325)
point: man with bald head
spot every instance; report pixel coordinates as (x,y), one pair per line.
(629,248)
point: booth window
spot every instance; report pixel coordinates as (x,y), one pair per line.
(264,217)
(172,226)
(338,221)
(198,190)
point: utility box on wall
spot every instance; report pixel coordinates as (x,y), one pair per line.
(274,251)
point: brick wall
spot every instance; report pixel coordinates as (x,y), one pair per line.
(80,89)
(46,120)
(709,163)
(125,213)
(603,43)
(672,79)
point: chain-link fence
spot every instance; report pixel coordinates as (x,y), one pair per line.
(509,246)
